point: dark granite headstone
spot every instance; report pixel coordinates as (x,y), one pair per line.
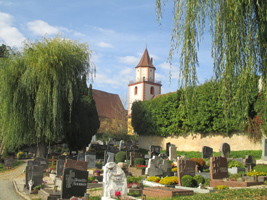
(81,156)
(185,167)
(218,168)
(225,150)
(76,164)
(249,163)
(41,162)
(133,156)
(8,162)
(167,148)
(34,173)
(74,183)
(154,150)
(207,152)
(60,167)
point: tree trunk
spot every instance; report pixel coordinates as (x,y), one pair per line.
(41,150)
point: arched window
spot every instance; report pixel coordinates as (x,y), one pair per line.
(135,90)
(152,90)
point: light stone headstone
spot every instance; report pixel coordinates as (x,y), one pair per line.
(121,145)
(114,179)
(81,156)
(264,149)
(60,167)
(158,166)
(172,152)
(111,157)
(90,158)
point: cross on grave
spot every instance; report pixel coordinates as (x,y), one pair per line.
(52,160)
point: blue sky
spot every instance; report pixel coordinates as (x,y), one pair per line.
(117,31)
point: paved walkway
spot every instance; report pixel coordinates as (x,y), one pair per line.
(7,189)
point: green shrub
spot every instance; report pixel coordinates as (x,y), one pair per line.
(38,187)
(174,169)
(20,154)
(187,181)
(91,179)
(140,161)
(207,182)
(234,163)
(134,179)
(198,179)
(120,156)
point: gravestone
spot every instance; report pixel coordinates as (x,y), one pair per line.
(41,162)
(185,167)
(158,166)
(90,158)
(172,152)
(264,149)
(8,162)
(114,179)
(249,163)
(74,183)
(225,150)
(121,145)
(111,157)
(133,156)
(60,167)
(154,150)
(34,173)
(81,156)
(218,168)
(167,148)
(76,164)
(207,152)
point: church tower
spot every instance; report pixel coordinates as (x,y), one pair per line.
(144,87)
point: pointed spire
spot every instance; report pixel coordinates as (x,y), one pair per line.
(145,60)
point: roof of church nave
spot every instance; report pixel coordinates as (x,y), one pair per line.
(146,61)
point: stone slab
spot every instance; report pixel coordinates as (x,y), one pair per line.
(163,192)
(214,183)
(46,194)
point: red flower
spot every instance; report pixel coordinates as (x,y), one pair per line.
(117,193)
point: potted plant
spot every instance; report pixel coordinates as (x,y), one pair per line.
(96,172)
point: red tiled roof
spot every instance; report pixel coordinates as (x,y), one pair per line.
(109,105)
(145,60)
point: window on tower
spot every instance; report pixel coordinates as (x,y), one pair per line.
(135,90)
(152,90)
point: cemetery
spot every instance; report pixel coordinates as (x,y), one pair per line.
(135,173)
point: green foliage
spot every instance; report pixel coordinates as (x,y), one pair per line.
(38,187)
(174,169)
(187,181)
(234,163)
(199,179)
(91,179)
(133,194)
(140,161)
(40,95)
(260,168)
(207,182)
(134,179)
(120,156)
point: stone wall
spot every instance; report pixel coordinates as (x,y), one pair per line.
(195,142)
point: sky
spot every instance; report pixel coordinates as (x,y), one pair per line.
(118,31)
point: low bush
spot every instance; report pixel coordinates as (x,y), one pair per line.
(234,163)
(255,173)
(198,179)
(207,182)
(171,180)
(139,161)
(187,181)
(120,156)
(134,179)
(174,169)
(20,155)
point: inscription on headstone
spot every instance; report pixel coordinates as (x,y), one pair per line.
(218,168)
(41,162)
(207,152)
(185,167)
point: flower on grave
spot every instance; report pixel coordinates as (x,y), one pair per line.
(118,194)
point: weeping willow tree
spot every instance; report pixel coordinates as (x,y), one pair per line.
(40,87)
(238,29)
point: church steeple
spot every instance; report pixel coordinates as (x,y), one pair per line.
(145,60)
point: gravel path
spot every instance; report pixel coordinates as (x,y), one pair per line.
(7,190)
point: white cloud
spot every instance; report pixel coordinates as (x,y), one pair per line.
(129,60)
(104,45)
(127,71)
(9,34)
(78,34)
(102,30)
(4,3)
(39,27)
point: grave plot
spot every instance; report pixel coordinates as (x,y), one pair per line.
(219,175)
(163,192)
